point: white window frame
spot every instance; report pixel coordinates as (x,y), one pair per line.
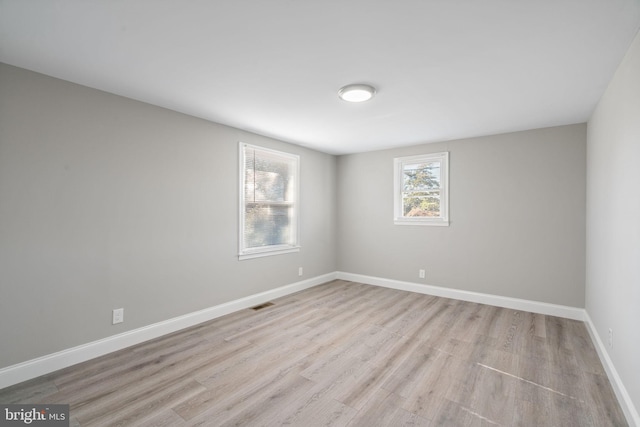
(294,245)
(398,169)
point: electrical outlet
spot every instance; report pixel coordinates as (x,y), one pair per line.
(610,338)
(118,315)
(421,273)
(299,271)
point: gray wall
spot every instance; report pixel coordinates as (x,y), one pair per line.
(106,202)
(613,220)
(517,217)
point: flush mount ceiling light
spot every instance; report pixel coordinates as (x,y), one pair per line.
(356,93)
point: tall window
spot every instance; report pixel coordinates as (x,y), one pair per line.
(269,185)
(421,189)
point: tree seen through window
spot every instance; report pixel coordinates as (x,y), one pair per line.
(421,190)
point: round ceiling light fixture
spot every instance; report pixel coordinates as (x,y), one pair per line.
(356,93)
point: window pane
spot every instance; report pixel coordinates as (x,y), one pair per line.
(421,203)
(421,176)
(268,178)
(267,225)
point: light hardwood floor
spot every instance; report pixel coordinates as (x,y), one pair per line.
(349,354)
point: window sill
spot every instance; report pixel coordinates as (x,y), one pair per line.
(268,252)
(437,223)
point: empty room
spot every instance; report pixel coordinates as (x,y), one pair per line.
(319,213)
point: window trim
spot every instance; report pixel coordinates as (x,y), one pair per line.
(398,169)
(249,253)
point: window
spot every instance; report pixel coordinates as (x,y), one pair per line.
(421,191)
(268,202)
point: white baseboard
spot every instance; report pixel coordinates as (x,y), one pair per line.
(52,362)
(629,409)
(574,313)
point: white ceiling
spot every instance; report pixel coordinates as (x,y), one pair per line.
(444,69)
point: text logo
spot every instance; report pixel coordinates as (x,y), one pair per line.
(34,415)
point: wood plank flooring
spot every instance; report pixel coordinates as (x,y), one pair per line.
(346,354)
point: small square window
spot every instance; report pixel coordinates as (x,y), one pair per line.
(421,190)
